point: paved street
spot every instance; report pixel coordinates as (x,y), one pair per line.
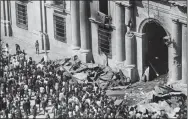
(54,53)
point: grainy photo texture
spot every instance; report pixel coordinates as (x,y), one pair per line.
(96,59)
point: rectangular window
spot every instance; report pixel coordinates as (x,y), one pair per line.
(21,16)
(103,6)
(59,28)
(104,37)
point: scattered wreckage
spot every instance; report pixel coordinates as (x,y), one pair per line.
(162,100)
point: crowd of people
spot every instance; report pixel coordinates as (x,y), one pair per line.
(51,85)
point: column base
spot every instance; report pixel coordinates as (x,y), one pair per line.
(85,56)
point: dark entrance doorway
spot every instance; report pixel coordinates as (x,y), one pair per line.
(157,51)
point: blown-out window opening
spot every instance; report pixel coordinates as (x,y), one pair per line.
(103,6)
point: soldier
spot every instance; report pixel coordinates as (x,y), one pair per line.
(37,47)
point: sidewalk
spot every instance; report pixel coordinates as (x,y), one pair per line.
(55,52)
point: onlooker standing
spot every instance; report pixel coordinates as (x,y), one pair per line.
(17,49)
(6,49)
(37,47)
(34,112)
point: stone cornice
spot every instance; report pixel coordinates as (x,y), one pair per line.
(178,18)
(155,7)
(48,5)
(125,4)
(92,20)
(138,34)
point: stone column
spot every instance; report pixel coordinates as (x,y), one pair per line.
(140,41)
(120,32)
(7,22)
(184,54)
(175,69)
(170,60)
(130,46)
(4,16)
(75,21)
(85,31)
(46,38)
(128,17)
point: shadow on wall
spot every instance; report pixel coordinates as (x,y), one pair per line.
(47,43)
(10,30)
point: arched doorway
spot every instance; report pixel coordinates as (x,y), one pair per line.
(156,55)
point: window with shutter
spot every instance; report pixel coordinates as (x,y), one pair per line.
(59,28)
(21,15)
(104,40)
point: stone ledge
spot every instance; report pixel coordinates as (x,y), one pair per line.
(48,5)
(92,20)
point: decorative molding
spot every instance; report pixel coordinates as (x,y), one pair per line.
(168,11)
(180,19)
(125,4)
(61,9)
(130,34)
(92,20)
(138,34)
(156,8)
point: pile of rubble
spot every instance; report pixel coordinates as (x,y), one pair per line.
(168,102)
(102,75)
(163,100)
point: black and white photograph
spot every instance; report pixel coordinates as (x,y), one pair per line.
(93,59)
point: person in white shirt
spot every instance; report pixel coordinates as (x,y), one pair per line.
(7,49)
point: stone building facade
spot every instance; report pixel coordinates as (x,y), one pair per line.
(130,34)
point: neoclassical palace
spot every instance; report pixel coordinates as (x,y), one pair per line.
(131,35)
